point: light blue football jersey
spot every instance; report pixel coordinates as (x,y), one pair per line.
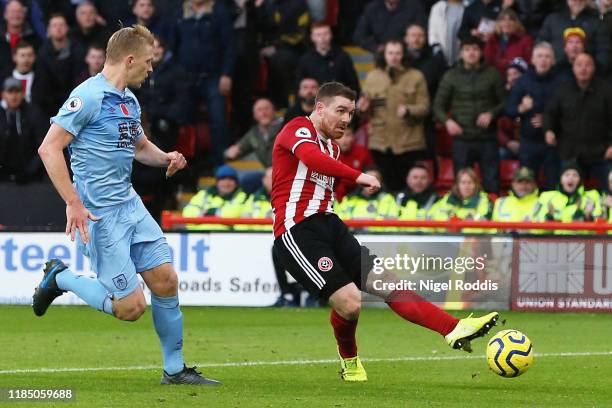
(105,123)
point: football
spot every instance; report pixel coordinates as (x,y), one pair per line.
(509,353)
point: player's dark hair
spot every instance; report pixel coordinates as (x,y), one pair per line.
(331,89)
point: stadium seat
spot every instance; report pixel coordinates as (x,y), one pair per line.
(444,142)
(186,142)
(446,175)
(506,172)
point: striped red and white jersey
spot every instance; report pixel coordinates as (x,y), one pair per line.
(299,191)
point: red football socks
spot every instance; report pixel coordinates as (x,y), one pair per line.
(415,309)
(344,330)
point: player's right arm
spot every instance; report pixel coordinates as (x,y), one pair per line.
(51,152)
(311,156)
(302,143)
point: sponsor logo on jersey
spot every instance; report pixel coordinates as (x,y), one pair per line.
(325,264)
(128,132)
(74,104)
(303,132)
(323,180)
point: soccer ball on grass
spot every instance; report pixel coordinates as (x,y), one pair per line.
(509,353)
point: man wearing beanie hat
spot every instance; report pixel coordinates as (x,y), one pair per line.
(578,121)
(578,14)
(514,70)
(521,202)
(224,199)
(570,201)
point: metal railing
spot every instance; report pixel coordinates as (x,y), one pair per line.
(170,219)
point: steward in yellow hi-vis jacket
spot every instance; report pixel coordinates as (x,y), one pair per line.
(224,199)
(465,200)
(606,202)
(569,202)
(521,202)
(258,205)
(363,206)
(418,198)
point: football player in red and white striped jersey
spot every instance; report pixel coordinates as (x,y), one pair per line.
(306,163)
(316,247)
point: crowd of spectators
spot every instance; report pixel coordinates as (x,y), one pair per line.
(523,80)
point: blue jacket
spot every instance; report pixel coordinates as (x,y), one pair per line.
(541,89)
(204,45)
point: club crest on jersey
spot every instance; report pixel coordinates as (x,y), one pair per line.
(124,109)
(303,132)
(120,282)
(325,264)
(74,104)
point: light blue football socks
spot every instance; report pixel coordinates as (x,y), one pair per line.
(89,289)
(168,321)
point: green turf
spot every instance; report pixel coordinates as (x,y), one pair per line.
(79,337)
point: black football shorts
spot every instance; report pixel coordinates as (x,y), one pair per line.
(322,255)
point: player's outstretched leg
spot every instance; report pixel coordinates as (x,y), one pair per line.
(346,305)
(412,307)
(469,329)
(458,333)
(168,322)
(58,279)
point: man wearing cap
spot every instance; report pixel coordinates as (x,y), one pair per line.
(224,199)
(574,40)
(22,129)
(578,121)
(470,97)
(526,101)
(578,14)
(521,201)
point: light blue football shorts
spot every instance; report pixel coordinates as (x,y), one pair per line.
(124,242)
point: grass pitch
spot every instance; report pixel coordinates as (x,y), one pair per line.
(285,358)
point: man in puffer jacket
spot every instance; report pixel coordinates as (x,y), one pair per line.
(470,98)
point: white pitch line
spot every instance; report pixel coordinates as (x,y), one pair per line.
(292,362)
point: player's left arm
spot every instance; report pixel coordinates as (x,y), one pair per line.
(150,155)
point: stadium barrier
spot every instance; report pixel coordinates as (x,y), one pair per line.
(171,219)
(227,268)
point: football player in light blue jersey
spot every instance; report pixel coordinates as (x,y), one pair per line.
(100,122)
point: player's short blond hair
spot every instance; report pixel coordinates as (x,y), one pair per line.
(126,41)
